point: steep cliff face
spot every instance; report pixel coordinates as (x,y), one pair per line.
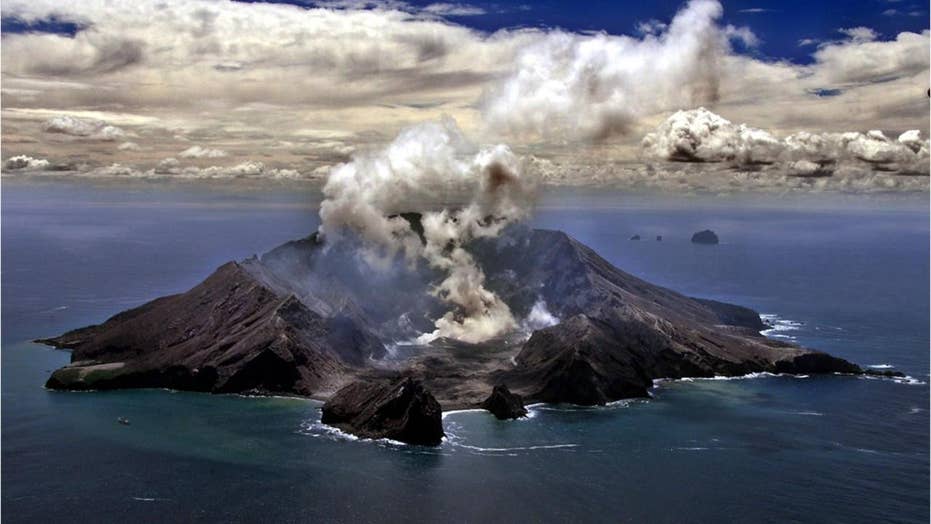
(308,318)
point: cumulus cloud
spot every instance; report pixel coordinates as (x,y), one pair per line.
(129,146)
(252,76)
(249,169)
(84,128)
(25,162)
(202,152)
(182,52)
(859,34)
(726,178)
(168,168)
(861,58)
(699,135)
(570,86)
(432,162)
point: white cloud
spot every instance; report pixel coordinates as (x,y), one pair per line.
(859,34)
(741,34)
(113,171)
(725,178)
(202,152)
(861,59)
(84,128)
(806,168)
(651,27)
(569,86)
(702,136)
(249,169)
(302,88)
(129,146)
(184,52)
(25,162)
(446,9)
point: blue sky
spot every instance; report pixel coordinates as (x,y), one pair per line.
(780,24)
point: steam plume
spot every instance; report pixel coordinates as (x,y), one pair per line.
(433,162)
(570,86)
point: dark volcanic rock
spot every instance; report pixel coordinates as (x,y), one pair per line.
(403,410)
(733,315)
(578,361)
(884,373)
(504,405)
(705,237)
(228,334)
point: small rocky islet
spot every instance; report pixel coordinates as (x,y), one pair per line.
(706,236)
(308,321)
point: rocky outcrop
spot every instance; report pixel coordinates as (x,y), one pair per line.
(402,410)
(504,405)
(705,237)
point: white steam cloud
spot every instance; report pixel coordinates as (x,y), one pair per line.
(539,317)
(570,86)
(698,135)
(434,162)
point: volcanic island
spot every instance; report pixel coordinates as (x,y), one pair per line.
(305,319)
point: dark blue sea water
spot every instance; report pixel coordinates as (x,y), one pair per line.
(846,276)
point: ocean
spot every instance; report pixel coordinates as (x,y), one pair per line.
(847,275)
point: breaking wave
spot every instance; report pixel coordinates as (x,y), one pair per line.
(516,448)
(762,374)
(779,327)
(907,380)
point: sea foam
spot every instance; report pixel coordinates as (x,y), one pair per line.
(779,327)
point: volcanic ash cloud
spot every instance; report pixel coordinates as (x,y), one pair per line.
(433,162)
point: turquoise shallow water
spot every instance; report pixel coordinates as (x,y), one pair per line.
(850,278)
